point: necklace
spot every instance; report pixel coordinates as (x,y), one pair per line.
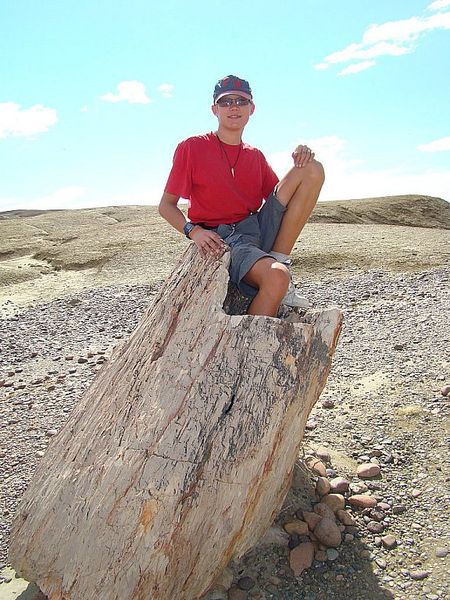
(222,147)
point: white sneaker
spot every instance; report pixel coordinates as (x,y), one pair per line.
(293,299)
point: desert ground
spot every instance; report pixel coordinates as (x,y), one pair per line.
(73,284)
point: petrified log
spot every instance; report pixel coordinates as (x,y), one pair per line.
(180,453)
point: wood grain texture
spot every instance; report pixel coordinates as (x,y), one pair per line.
(180,454)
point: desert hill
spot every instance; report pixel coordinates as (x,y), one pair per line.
(45,254)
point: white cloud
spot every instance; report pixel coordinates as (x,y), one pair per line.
(66,197)
(24,122)
(347,178)
(438,5)
(166,89)
(128,91)
(393,38)
(358,67)
(440,145)
(84,109)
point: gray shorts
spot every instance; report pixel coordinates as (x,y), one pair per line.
(252,239)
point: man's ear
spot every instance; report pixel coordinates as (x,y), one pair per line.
(214,109)
(252,108)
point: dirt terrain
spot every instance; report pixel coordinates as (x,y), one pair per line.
(73,284)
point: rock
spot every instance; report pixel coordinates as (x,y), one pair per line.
(445,391)
(323,510)
(416,493)
(334,501)
(322,486)
(441,552)
(419,575)
(316,466)
(345,518)
(358,488)
(398,509)
(217,593)
(320,555)
(82,360)
(375,527)
(323,454)
(225,579)
(312,519)
(332,554)
(297,526)
(389,541)
(327,532)
(301,557)
(362,501)
(246,583)
(274,536)
(328,403)
(381,563)
(235,593)
(368,470)
(339,485)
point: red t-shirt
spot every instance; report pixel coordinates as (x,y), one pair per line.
(201,172)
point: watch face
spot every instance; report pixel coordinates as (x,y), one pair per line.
(188,228)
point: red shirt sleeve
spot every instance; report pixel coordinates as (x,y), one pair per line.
(179,182)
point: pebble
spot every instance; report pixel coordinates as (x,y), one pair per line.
(375,527)
(301,557)
(246,583)
(332,554)
(312,519)
(346,518)
(274,536)
(334,501)
(445,391)
(441,552)
(389,541)
(323,510)
(235,593)
(339,485)
(368,470)
(322,486)
(297,526)
(362,501)
(328,403)
(323,454)
(419,575)
(381,563)
(316,466)
(328,533)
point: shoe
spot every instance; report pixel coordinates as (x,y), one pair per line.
(293,299)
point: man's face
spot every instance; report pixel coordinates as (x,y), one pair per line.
(233,111)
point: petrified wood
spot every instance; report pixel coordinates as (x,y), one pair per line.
(180,454)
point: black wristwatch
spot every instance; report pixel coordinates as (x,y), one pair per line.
(188,227)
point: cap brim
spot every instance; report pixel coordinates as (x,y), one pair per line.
(234,93)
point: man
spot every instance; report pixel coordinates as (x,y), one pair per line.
(226,181)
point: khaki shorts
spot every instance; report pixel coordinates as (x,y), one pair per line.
(252,239)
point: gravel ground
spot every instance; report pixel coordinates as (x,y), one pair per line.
(382,403)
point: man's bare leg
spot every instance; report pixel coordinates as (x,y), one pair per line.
(272,280)
(299,191)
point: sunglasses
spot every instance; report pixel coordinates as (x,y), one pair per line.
(228,102)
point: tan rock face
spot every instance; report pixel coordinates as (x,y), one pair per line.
(322,486)
(362,501)
(368,470)
(334,501)
(297,526)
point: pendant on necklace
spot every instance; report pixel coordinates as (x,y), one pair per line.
(232,171)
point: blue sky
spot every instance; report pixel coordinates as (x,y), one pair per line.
(96,94)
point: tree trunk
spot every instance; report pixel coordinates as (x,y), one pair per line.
(180,454)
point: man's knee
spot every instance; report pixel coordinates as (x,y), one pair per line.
(315,172)
(276,279)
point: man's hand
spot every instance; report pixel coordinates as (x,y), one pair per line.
(302,155)
(208,242)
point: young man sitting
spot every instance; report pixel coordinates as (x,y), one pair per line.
(226,182)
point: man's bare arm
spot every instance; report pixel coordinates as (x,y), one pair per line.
(207,242)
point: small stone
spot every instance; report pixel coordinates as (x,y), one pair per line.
(375,527)
(274,536)
(348,537)
(441,552)
(328,403)
(445,391)
(297,526)
(246,583)
(323,510)
(322,486)
(68,357)
(301,557)
(362,501)
(311,424)
(82,360)
(332,554)
(312,519)
(321,555)
(389,541)
(398,509)
(368,470)
(334,501)
(234,593)
(345,518)
(323,454)
(316,466)
(339,485)
(381,563)
(419,575)
(51,432)
(416,493)
(328,533)
(358,488)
